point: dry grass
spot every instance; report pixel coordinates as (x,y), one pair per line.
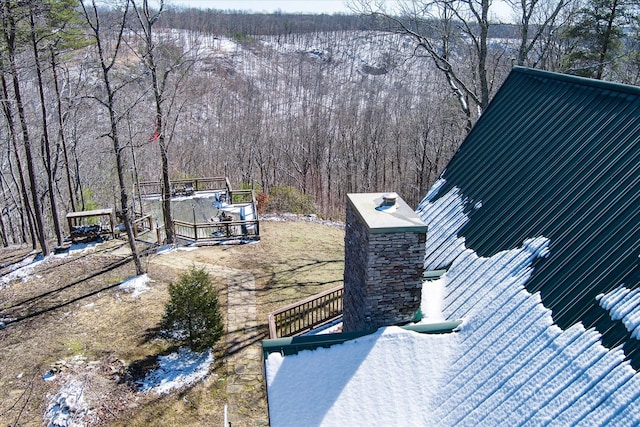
(94,332)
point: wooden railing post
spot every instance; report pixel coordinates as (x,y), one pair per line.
(159,235)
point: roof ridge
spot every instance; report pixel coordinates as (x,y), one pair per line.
(583,81)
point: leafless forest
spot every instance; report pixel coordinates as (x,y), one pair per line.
(96,99)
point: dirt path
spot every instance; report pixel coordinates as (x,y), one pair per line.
(245,388)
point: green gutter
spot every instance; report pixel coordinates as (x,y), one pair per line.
(292,345)
(433,274)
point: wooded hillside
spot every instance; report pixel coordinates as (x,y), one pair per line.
(95,100)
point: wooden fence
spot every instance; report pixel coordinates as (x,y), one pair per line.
(301,317)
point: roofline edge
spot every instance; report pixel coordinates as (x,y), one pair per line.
(600,84)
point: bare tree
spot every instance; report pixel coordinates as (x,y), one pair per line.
(11,13)
(46,145)
(27,213)
(162,62)
(536,18)
(445,29)
(107,61)
(435,26)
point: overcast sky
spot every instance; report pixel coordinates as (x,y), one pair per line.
(293,6)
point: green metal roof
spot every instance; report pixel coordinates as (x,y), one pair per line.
(559,156)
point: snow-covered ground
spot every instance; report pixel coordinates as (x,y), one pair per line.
(136,285)
(72,407)
(177,371)
(24,269)
(68,407)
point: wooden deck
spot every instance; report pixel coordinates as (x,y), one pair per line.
(225,227)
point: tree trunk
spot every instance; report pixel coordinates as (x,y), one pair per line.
(61,133)
(109,103)
(606,42)
(45,133)
(8,112)
(146,21)
(10,38)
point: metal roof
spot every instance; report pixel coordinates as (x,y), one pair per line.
(559,156)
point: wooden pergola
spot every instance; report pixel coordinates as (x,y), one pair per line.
(88,225)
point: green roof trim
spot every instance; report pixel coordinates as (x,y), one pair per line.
(292,345)
(433,274)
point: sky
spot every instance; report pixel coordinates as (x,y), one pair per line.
(292,6)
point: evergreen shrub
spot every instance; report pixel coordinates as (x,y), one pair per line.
(192,315)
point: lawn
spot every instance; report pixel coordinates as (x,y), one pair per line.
(69,322)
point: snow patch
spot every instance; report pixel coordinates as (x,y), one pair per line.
(167,249)
(136,285)
(24,269)
(177,370)
(68,407)
(82,248)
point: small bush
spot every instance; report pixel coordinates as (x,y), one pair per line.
(192,314)
(263,202)
(290,199)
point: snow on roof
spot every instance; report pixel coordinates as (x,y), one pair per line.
(508,363)
(622,304)
(361,382)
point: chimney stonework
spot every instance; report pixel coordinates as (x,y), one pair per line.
(384,257)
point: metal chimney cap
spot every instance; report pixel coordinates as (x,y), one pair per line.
(388,201)
(389,198)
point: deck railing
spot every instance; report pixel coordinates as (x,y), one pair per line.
(142,224)
(180,186)
(302,316)
(248,228)
(242,196)
(222,230)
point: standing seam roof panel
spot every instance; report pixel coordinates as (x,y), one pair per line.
(558,156)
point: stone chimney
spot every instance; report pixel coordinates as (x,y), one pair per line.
(384,258)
